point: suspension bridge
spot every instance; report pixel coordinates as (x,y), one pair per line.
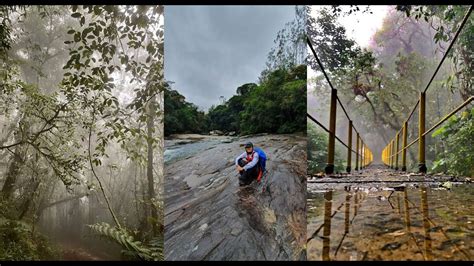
(393,151)
(381,211)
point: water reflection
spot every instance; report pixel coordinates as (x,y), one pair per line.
(327,224)
(407,210)
(391,224)
(426,223)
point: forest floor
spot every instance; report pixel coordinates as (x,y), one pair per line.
(209,217)
(77,252)
(383,214)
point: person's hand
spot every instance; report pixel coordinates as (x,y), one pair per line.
(239,168)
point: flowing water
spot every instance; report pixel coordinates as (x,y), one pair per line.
(176,150)
(415,222)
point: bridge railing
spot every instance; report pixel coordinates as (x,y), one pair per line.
(396,148)
(363,154)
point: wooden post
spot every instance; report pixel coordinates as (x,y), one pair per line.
(390,154)
(421,130)
(357,154)
(404,144)
(396,151)
(349,150)
(332,133)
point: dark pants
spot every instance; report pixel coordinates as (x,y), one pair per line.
(246,177)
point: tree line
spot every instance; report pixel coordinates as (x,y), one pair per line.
(276,105)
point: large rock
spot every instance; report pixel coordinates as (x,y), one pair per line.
(216,133)
(209,217)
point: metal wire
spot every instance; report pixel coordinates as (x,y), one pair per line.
(332,87)
(446,117)
(327,130)
(466,16)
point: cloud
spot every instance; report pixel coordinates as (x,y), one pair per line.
(212,50)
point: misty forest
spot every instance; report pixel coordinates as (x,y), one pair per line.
(81,107)
(380,84)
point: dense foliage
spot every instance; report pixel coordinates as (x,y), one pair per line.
(317,151)
(80,117)
(182,116)
(20,242)
(457,136)
(276,105)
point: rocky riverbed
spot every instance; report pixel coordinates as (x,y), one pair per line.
(209,217)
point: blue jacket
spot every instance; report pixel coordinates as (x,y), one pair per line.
(250,164)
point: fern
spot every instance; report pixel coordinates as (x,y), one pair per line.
(156,247)
(131,247)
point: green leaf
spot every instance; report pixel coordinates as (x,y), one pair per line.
(439,131)
(77,37)
(76,15)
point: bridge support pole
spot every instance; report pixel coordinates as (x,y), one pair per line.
(329,169)
(392,149)
(357,152)
(384,156)
(362,154)
(404,144)
(365,155)
(421,130)
(393,153)
(349,150)
(390,154)
(396,151)
(368,157)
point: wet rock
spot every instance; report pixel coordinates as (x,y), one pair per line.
(435,229)
(448,185)
(381,198)
(454,230)
(216,133)
(449,243)
(396,233)
(218,220)
(392,246)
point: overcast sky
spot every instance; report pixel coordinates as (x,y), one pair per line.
(211,50)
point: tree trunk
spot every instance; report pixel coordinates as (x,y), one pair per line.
(151,184)
(13,172)
(29,198)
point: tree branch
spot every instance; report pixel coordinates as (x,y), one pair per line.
(97,178)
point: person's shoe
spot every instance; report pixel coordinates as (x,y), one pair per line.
(241,183)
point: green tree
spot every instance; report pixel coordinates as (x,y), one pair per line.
(182,116)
